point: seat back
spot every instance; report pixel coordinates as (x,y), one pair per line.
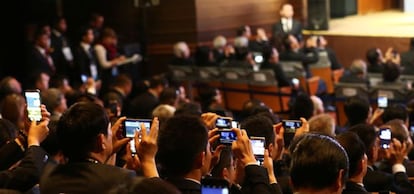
(293,69)
(264,77)
(182,73)
(374,78)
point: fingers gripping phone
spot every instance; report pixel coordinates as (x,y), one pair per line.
(290,127)
(33,102)
(258,146)
(385,138)
(132,126)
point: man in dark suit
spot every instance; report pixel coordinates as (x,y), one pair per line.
(39,59)
(357,73)
(358,160)
(318,165)
(28,172)
(185,157)
(287,24)
(376,180)
(85,59)
(86,139)
(61,47)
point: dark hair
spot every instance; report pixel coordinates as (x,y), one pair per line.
(395,111)
(122,80)
(398,130)
(6,88)
(226,157)
(202,55)
(355,149)
(157,80)
(391,72)
(241,53)
(188,108)
(241,30)
(372,55)
(286,42)
(168,96)
(316,154)
(259,126)
(253,107)
(302,107)
(356,109)
(145,185)
(180,141)
(368,136)
(79,127)
(206,96)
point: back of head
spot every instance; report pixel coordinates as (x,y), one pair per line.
(122,80)
(158,80)
(9,85)
(189,108)
(241,42)
(79,127)
(253,107)
(259,126)
(180,142)
(13,107)
(358,67)
(317,162)
(168,96)
(398,130)
(367,135)
(355,149)
(302,107)
(219,42)
(225,161)
(395,111)
(180,48)
(356,110)
(391,72)
(51,98)
(372,56)
(322,124)
(163,112)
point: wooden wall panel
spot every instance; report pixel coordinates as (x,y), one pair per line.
(349,48)
(224,17)
(368,6)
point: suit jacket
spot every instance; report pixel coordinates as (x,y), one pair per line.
(83,61)
(354,188)
(296,30)
(82,177)
(58,42)
(37,62)
(185,186)
(377,181)
(10,153)
(27,173)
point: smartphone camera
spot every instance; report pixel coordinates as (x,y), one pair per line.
(132,126)
(227,136)
(258,146)
(33,104)
(382,102)
(385,138)
(224,123)
(290,127)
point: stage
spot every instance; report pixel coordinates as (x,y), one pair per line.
(352,36)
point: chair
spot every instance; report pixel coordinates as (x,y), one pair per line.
(374,78)
(207,74)
(234,75)
(336,75)
(293,69)
(344,91)
(312,85)
(181,73)
(392,92)
(323,69)
(263,77)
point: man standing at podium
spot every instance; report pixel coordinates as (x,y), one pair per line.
(287,24)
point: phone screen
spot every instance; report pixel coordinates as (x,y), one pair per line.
(33,105)
(382,102)
(385,138)
(134,125)
(235,124)
(223,123)
(214,186)
(290,127)
(227,136)
(258,146)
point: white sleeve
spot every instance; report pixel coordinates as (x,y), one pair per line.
(101,56)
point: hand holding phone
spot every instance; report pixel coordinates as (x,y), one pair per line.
(290,127)
(132,126)
(382,102)
(33,102)
(258,146)
(224,123)
(385,138)
(226,136)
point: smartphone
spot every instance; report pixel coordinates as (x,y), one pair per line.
(224,123)
(227,136)
(33,104)
(235,124)
(212,185)
(382,102)
(134,125)
(385,138)
(258,57)
(290,127)
(258,146)
(412,131)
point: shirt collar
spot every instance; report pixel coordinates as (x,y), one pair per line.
(85,46)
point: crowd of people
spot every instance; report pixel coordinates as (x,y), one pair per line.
(80,144)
